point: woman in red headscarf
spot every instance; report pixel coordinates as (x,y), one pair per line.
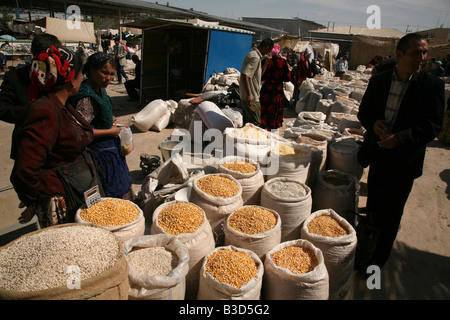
(272,96)
(52,169)
(304,69)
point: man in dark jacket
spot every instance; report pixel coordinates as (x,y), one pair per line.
(14,98)
(133,85)
(402,110)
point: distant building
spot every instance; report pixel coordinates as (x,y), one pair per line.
(295,27)
(437,36)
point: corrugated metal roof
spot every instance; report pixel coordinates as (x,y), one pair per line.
(195,23)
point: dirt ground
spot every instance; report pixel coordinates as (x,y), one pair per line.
(419,264)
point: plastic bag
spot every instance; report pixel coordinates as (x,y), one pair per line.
(126,141)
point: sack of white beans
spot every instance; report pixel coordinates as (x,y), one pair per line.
(249,175)
(64,262)
(337,239)
(231,273)
(189,224)
(295,270)
(158,267)
(291,199)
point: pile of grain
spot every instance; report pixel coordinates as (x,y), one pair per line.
(153,261)
(287,189)
(240,166)
(296,259)
(110,212)
(326,226)
(218,186)
(248,132)
(42,260)
(181,217)
(252,220)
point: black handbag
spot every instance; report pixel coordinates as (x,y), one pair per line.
(77,177)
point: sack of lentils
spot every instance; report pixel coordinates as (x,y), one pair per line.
(253,228)
(188,223)
(291,199)
(231,273)
(295,270)
(218,194)
(64,262)
(122,217)
(158,267)
(337,240)
(249,175)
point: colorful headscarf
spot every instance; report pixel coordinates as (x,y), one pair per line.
(276,49)
(54,67)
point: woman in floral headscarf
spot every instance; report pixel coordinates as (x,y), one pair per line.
(52,169)
(272,95)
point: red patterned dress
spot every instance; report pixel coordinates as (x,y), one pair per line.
(272,96)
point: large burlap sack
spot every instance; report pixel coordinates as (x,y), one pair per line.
(259,243)
(251,183)
(158,287)
(281,284)
(338,253)
(216,209)
(295,166)
(149,115)
(324,106)
(343,156)
(292,210)
(212,289)
(199,244)
(339,191)
(123,232)
(111,284)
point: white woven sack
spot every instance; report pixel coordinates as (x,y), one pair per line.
(123,232)
(212,289)
(259,243)
(292,166)
(250,148)
(338,253)
(288,89)
(148,116)
(199,244)
(251,183)
(281,284)
(313,99)
(324,106)
(213,117)
(292,210)
(341,106)
(216,209)
(349,121)
(342,197)
(162,122)
(343,156)
(158,287)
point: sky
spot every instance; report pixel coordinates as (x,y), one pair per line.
(403,15)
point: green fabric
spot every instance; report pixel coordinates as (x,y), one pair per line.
(104,120)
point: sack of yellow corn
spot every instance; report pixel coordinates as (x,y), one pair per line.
(188,223)
(337,240)
(230,273)
(254,228)
(158,267)
(122,217)
(295,270)
(218,194)
(249,175)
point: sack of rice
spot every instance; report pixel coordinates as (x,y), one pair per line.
(149,115)
(64,262)
(310,117)
(337,240)
(249,142)
(339,191)
(295,270)
(253,228)
(294,160)
(291,199)
(158,267)
(218,195)
(343,156)
(349,121)
(249,175)
(122,217)
(231,273)
(188,223)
